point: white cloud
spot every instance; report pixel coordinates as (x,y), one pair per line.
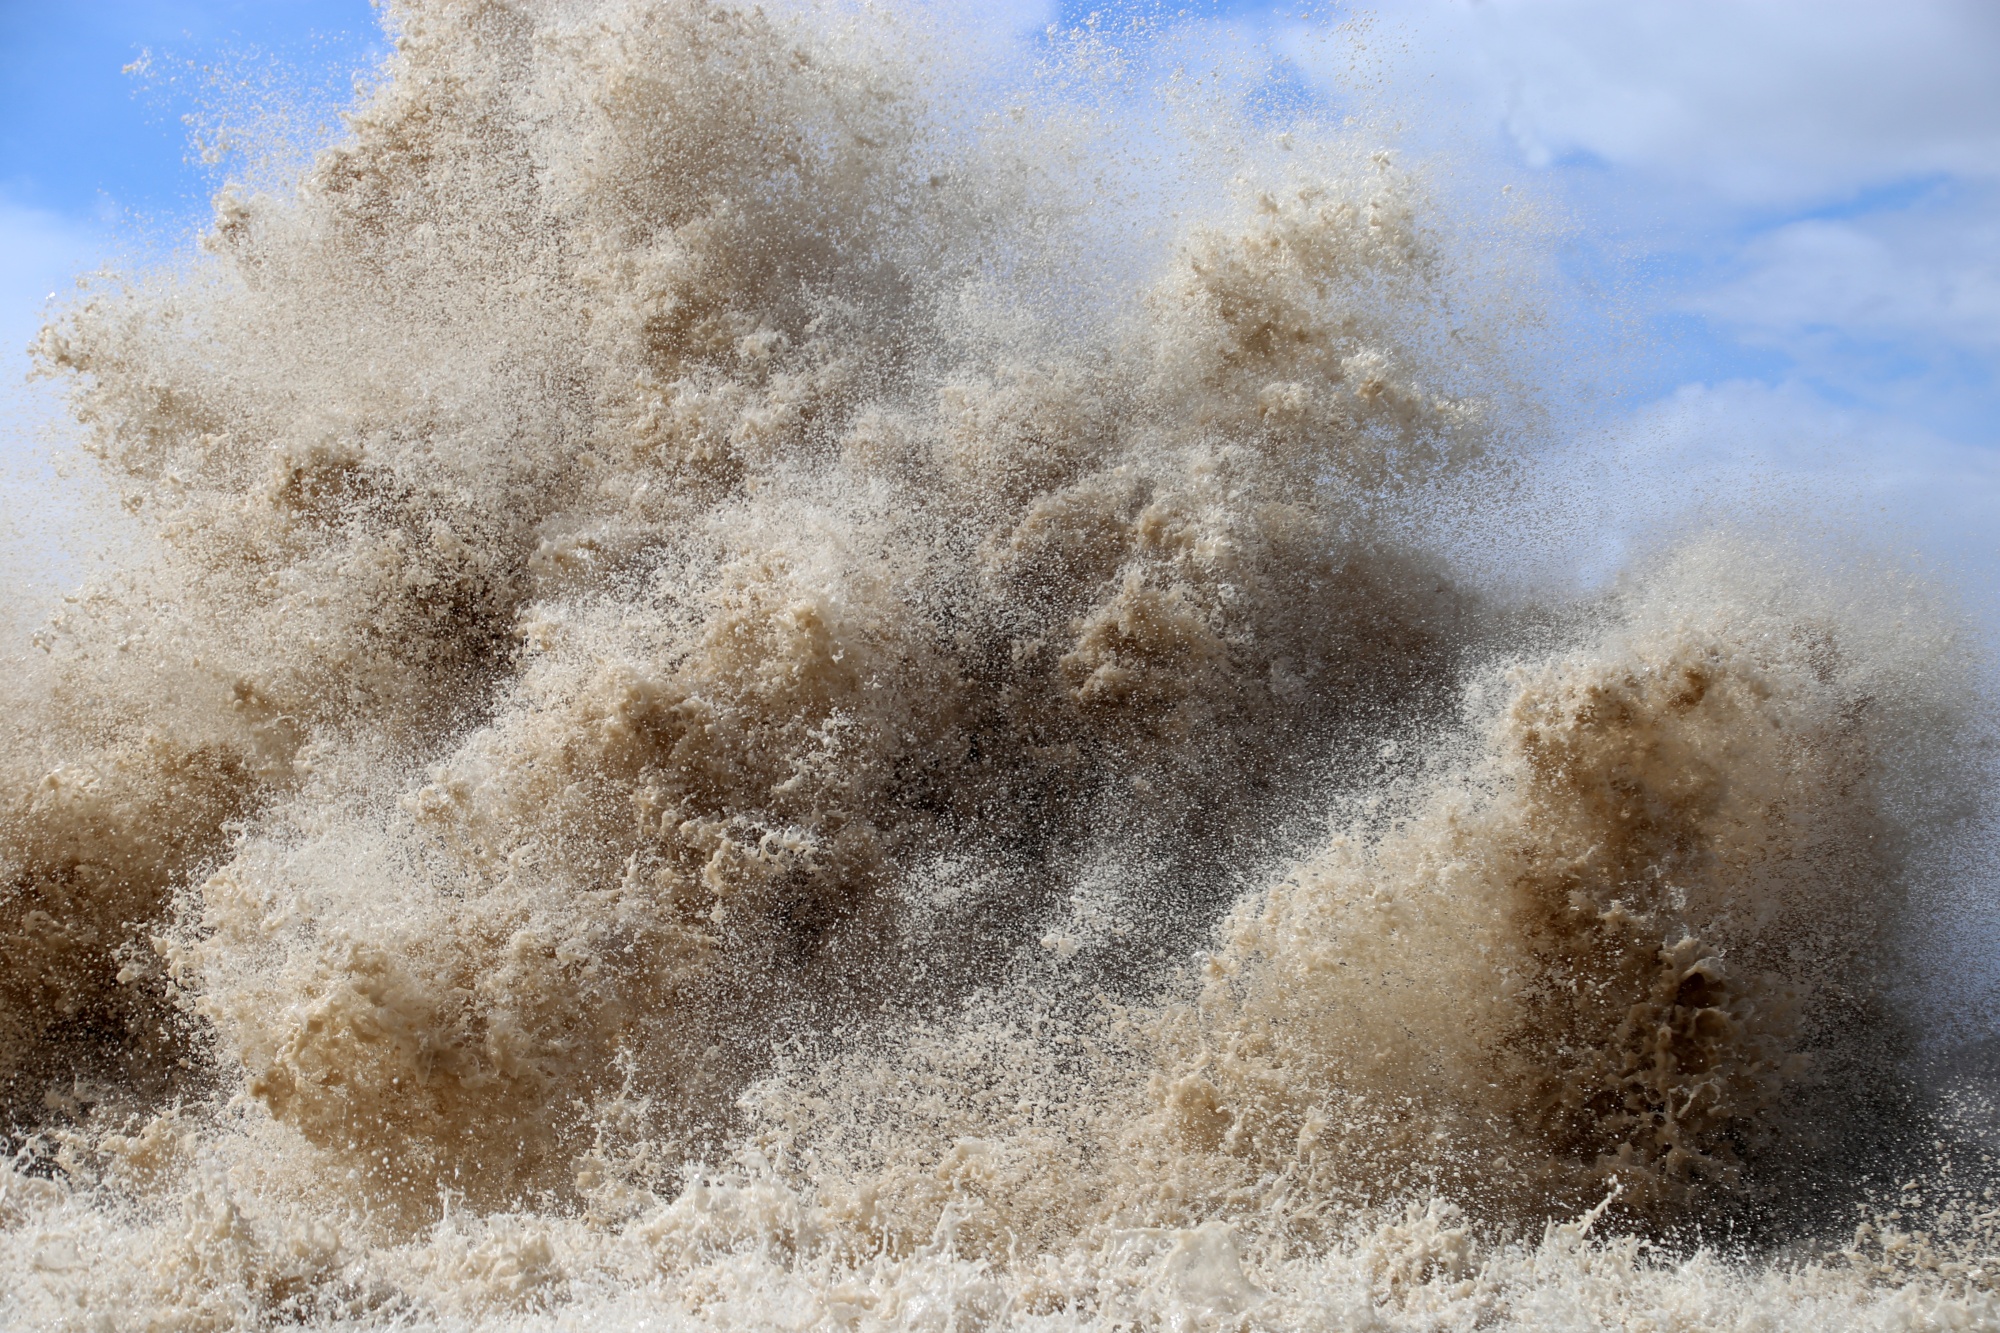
(1819,178)
(1787,431)
(1917,275)
(1763,104)
(1773,457)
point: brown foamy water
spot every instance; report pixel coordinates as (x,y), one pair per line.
(750,698)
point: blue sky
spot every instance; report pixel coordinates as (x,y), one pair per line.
(1795,203)
(95,156)
(78,134)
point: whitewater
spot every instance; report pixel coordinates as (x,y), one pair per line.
(759,685)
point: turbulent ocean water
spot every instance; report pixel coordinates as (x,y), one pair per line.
(757,681)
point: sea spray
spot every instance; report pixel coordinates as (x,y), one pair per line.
(720,730)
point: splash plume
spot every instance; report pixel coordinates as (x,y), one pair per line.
(704,676)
